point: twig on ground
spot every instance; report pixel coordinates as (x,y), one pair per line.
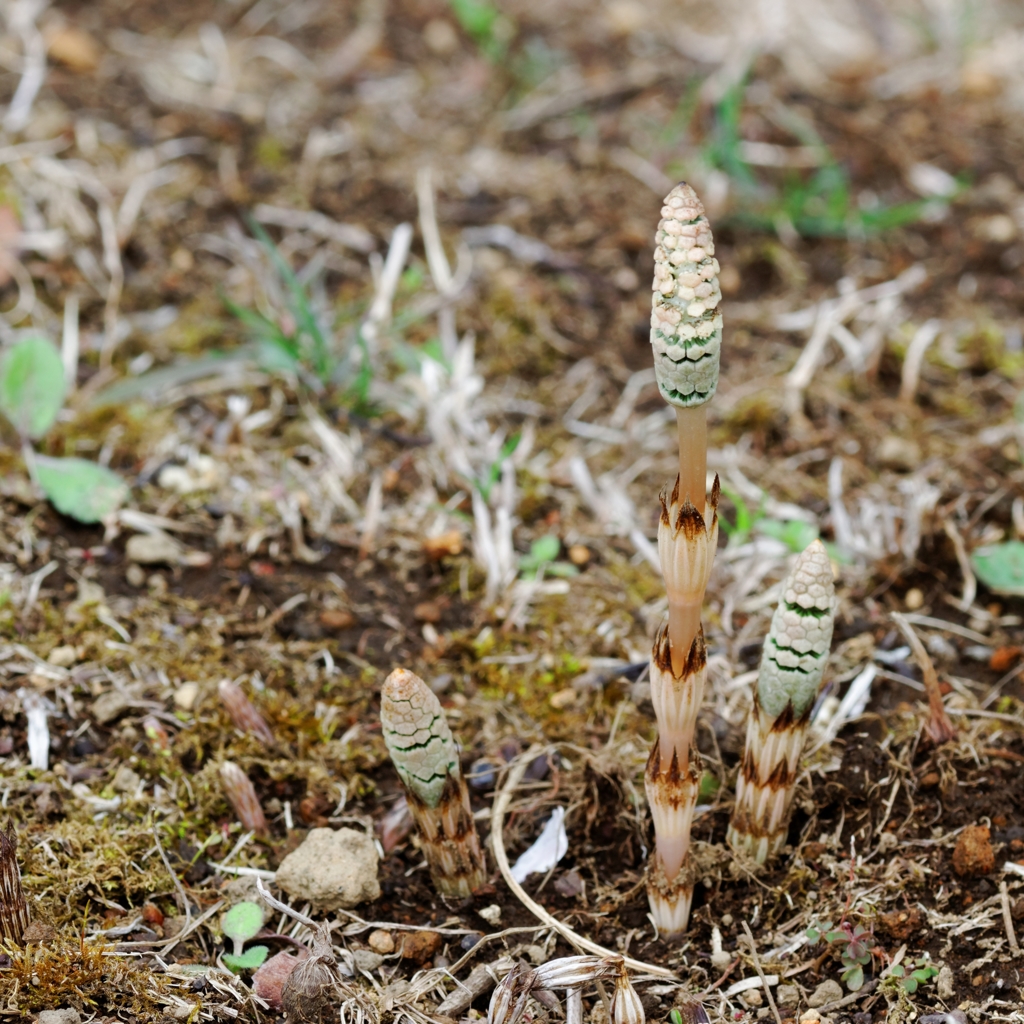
(760,973)
(1011,935)
(938,727)
(501,802)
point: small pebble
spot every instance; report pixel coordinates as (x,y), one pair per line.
(827,992)
(135,575)
(381,941)
(491,914)
(63,657)
(469,941)
(366,959)
(185,696)
(579,554)
(913,599)
(482,775)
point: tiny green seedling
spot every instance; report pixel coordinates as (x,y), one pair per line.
(32,390)
(541,558)
(915,973)
(241,923)
(1000,567)
(853,946)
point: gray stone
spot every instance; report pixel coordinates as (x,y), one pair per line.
(366,959)
(126,780)
(153,549)
(331,869)
(59,1017)
(827,992)
(108,706)
(788,995)
(944,983)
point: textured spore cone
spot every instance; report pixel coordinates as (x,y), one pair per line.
(419,741)
(426,757)
(800,636)
(788,682)
(686,326)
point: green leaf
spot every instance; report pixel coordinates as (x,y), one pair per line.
(84,490)
(1001,567)
(813,934)
(910,985)
(897,970)
(31,385)
(795,533)
(252,958)
(709,786)
(854,978)
(242,922)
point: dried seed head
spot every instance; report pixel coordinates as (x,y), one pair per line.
(686,327)
(626,1006)
(508,1001)
(14,917)
(245,717)
(686,545)
(239,792)
(418,739)
(306,995)
(800,637)
(568,971)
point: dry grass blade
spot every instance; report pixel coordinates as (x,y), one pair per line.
(498,811)
(938,728)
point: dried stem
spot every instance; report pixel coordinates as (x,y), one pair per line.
(14,916)
(939,729)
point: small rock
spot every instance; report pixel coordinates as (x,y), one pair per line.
(563,698)
(787,995)
(579,554)
(973,854)
(76,49)
(108,706)
(898,453)
(332,869)
(753,997)
(381,941)
(418,946)
(491,914)
(366,959)
(535,954)
(152,914)
(63,657)
(337,618)
(427,611)
(810,1017)
(269,980)
(153,549)
(913,599)
(469,941)
(39,932)
(185,696)
(135,575)
(569,885)
(827,992)
(944,983)
(901,924)
(447,543)
(126,780)
(67,1016)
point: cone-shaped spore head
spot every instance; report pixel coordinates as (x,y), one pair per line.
(800,638)
(686,327)
(418,739)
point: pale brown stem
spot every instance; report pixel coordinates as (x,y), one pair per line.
(683,624)
(938,728)
(693,457)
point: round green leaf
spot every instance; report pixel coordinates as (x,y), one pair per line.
(1001,567)
(84,490)
(242,921)
(252,958)
(31,385)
